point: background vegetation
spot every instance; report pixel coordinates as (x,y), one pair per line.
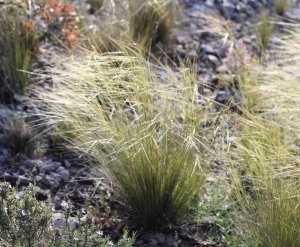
(138,122)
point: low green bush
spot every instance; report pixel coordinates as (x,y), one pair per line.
(26,222)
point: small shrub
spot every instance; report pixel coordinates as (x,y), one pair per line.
(264,31)
(281,6)
(62,21)
(26,222)
(152,21)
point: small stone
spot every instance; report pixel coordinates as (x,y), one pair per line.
(153,242)
(51,166)
(20,98)
(180,52)
(55,176)
(5,176)
(222,69)
(213,59)
(161,238)
(46,181)
(4,151)
(38,178)
(170,241)
(192,55)
(23,181)
(181,39)
(247,40)
(61,224)
(210,179)
(64,173)
(67,164)
(222,97)
(139,243)
(57,216)
(207,48)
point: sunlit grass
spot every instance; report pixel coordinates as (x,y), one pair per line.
(143,131)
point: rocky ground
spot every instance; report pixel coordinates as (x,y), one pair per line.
(61,175)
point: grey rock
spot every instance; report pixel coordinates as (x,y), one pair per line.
(67,164)
(34,171)
(50,183)
(4,151)
(57,216)
(55,176)
(46,181)
(24,169)
(2,158)
(61,224)
(222,96)
(61,168)
(170,241)
(222,69)
(161,238)
(153,242)
(5,176)
(181,39)
(139,243)
(50,166)
(180,52)
(228,12)
(192,55)
(207,49)
(38,178)
(29,163)
(213,59)
(23,181)
(63,173)
(20,98)
(256,5)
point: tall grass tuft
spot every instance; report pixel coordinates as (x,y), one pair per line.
(264,31)
(265,172)
(18,43)
(142,130)
(152,21)
(281,6)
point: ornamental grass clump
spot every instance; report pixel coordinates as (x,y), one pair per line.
(281,6)
(143,131)
(265,173)
(264,154)
(18,44)
(152,21)
(264,31)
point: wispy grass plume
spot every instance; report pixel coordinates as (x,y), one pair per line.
(265,171)
(143,130)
